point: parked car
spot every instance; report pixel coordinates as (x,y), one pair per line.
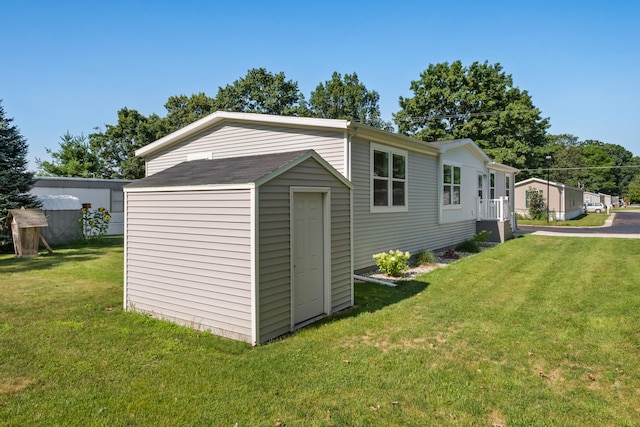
(596,207)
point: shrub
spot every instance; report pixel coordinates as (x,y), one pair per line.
(482,236)
(393,263)
(425,257)
(469,245)
(537,206)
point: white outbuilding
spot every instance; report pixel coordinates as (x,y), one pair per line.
(247,247)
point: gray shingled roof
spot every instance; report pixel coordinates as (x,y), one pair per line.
(234,170)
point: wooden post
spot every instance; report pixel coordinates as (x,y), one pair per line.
(46,245)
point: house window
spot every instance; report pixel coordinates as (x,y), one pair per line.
(451,184)
(117,201)
(480,186)
(388,178)
(492,185)
(507,186)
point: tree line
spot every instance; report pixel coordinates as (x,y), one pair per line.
(449,101)
(109,153)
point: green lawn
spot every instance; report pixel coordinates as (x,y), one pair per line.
(585,220)
(538,331)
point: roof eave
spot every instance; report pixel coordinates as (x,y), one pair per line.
(394,139)
(504,168)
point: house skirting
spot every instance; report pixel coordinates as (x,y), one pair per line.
(500,230)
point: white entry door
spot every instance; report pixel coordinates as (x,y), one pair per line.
(308,256)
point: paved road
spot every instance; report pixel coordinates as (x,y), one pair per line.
(621,224)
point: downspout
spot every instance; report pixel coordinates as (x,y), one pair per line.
(512,201)
(347,165)
(348,174)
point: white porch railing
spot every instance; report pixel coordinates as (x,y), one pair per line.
(493,209)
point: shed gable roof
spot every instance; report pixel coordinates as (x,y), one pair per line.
(234,170)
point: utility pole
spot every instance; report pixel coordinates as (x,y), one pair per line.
(548,159)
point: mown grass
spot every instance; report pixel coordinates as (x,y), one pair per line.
(585,220)
(537,331)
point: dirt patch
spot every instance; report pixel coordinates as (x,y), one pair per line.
(14,385)
(496,419)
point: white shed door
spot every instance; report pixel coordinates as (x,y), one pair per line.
(308,256)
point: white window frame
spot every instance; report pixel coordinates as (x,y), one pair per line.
(452,185)
(391,151)
(507,186)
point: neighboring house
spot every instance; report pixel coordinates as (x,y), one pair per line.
(485,190)
(565,202)
(591,197)
(106,193)
(407,194)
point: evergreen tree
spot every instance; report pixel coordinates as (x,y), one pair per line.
(75,159)
(15,179)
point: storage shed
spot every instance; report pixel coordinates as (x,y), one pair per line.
(248,247)
(64,214)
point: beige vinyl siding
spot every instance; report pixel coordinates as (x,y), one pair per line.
(189,258)
(414,230)
(274,241)
(244,139)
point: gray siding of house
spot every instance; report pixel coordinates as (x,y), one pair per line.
(189,258)
(242,139)
(412,231)
(274,242)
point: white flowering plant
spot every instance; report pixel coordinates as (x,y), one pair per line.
(393,263)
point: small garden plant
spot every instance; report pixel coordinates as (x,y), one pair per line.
(482,237)
(425,257)
(393,263)
(469,245)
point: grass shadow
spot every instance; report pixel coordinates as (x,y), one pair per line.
(371,297)
(77,251)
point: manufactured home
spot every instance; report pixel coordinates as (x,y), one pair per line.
(564,201)
(99,193)
(406,194)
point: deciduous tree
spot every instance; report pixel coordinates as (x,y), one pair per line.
(116,145)
(592,165)
(633,194)
(262,92)
(349,99)
(480,102)
(183,110)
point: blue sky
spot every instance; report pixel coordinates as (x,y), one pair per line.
(71,65)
